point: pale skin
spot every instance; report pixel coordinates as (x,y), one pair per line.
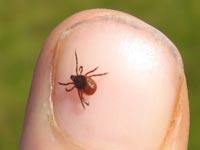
(141,103)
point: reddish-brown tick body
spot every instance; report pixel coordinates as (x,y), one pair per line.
(83,83)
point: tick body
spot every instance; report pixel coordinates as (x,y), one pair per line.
(82,82)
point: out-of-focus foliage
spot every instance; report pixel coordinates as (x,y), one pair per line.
(24,25)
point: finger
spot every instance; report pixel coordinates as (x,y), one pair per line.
(142,102)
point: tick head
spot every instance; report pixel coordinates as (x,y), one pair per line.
(73,77)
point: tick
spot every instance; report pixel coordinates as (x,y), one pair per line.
(82,82)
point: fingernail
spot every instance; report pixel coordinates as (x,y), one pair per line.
(133,104)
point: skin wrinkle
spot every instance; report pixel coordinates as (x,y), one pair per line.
(58,132)
(175,121)
(56,52)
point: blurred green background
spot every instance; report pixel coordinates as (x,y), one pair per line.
(24,25)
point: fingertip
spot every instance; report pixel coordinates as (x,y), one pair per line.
(141,87)
(134,102)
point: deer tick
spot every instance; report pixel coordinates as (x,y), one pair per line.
(82,82)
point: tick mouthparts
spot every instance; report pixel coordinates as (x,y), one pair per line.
(72,77)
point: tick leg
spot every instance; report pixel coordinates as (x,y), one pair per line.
(76,63)
(87,103)
(81,70)
(80,96)
(70,89)
(100,74)
(91,71)
(65,83)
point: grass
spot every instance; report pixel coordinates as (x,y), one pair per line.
(24,25)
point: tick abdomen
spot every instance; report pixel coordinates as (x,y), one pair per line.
(91,86)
